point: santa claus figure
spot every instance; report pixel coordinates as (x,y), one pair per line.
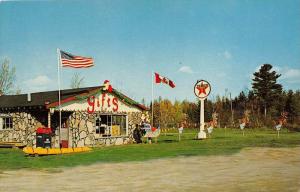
(107,86)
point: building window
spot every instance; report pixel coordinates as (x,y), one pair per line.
(119,125)
(6,123)
(111,125)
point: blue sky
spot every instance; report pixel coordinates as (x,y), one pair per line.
(223,42)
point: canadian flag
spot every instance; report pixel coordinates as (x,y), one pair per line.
(161,79)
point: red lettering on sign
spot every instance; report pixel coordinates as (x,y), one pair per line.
(91,102)
(103,99)
(98,103)
(94,103)
(115,103)
(108,102)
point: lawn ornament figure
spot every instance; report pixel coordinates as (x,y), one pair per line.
(180,130)
(145,118)
(213,123)
(244,121)
(150,132)
(137,134)
(281,121)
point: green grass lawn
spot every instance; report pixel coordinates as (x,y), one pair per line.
(221,143)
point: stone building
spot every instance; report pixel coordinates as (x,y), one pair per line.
(90,116)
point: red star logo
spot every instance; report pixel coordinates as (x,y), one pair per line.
(202,88)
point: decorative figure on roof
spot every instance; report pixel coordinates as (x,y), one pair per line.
(107,86)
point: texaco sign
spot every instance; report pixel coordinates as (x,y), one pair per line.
(202,89)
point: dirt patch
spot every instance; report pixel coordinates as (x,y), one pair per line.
(253,169)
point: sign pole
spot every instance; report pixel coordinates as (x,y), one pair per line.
(202,134)
(202,115)
(202,89)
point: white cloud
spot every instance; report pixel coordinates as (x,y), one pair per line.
(39,83)
(185,69)
(40,80)
(227,55)
(290,75)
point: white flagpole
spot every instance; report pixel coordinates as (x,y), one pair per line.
(59,104)
(152,97)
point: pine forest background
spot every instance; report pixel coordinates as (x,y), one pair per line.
(169,114)
(264,104)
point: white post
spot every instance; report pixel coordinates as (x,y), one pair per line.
(202,134)
(202,115)
(49,119)
(59,104)
(202,89)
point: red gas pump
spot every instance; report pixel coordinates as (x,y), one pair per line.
(43,137)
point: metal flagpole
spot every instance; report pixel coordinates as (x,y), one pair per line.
(59,104)
(232,122)
(152,98)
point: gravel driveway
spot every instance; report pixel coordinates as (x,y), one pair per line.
(253,169)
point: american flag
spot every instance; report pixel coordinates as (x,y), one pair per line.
(69,60)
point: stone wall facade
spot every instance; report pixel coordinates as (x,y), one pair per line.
(24,127)
(81,129)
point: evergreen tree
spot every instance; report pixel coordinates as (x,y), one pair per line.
(265,86)
(191,111)
(290,106)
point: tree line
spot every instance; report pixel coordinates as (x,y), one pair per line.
(230,112)
(263,105)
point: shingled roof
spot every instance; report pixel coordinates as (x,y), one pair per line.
(42,99)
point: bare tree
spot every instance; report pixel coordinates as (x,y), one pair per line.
(76,81)
(18,91)
(7,77)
